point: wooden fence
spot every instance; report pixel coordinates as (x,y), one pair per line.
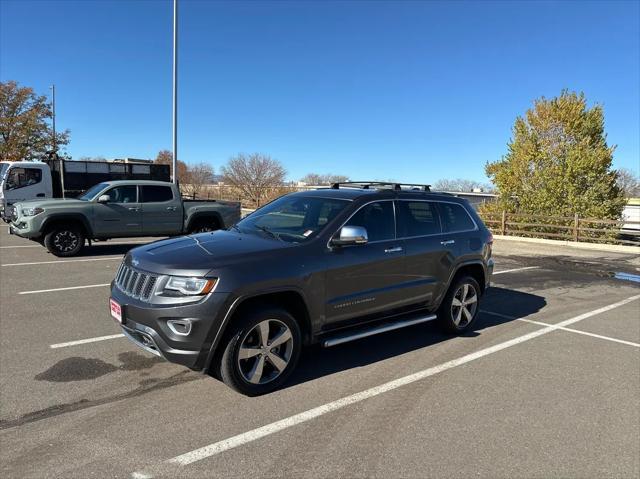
(561,227)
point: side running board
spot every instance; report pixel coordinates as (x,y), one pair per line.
(353,335)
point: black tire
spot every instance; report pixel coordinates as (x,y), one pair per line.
(451,314)
(235,372)
(204,225)
(65,240)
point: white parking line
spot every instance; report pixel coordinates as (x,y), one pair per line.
(255,434)
(64,289)
(571,330)
(110,258)
(85,341)
(585,333)
(516,269)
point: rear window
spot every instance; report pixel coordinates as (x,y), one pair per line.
(417,218)
(455,218)
(156,194)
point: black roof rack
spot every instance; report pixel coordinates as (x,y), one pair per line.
(379,184)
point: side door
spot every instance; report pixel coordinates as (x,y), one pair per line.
(121,215)
(429,255)
(26,183)
(369,278)
(459,229)
(161,211)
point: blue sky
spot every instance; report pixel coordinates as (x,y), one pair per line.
(413,91)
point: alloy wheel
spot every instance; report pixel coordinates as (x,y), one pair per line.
(464,305)
(265,351)
(65,241)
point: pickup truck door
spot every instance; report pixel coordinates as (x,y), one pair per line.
(120,216)
(161,210)
(369,278)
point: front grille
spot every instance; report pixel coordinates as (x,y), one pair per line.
(134,283)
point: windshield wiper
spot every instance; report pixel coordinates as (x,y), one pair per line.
(269,232)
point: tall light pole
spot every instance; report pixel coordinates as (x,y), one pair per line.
(55,139)
(175,91)
(53,117)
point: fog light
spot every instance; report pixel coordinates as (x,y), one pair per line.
(181,327)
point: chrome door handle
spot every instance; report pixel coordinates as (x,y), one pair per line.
(171,208)
(396,249)
(445,243)
(132,209)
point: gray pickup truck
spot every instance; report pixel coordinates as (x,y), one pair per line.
(118,209)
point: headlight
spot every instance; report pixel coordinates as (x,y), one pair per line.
(189,286)
(31,211)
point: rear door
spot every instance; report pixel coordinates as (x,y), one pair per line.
(366,279)
(429,256)
(161,211)
(121,216)
(459,229)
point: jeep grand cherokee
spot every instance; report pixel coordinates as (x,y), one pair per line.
(324,266)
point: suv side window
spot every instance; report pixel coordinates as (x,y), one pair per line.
(377,218)
(455,218)
(21,177)
(123,194)
(417,218)
(156,194)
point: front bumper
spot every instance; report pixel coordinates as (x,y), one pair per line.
(146,325)
(26,226)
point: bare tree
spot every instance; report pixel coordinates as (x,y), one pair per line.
(253,175)
(629,182)
(165,157)
(197,177)
(323,179)
(24,130)
(461,185)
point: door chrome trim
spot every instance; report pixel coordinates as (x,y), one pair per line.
(476,227)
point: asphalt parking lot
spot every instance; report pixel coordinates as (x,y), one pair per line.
(547,385)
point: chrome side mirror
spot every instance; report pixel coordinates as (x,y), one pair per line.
(351,235)
(103,199)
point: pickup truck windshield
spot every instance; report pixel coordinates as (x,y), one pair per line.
(92,192)
(294,219)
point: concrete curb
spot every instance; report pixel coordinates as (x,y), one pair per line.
(592,246)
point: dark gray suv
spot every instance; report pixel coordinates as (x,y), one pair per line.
(324,266)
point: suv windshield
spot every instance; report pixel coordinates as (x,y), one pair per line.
(3,169)
(292,218)
(92,192)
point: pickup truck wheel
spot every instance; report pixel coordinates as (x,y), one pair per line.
(204,226)
(460,306)
(64,241)
(261,353)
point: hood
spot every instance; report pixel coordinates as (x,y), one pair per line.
(196,255)
(49,203)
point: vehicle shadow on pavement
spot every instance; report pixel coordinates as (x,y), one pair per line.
(106,249)
(317,362)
